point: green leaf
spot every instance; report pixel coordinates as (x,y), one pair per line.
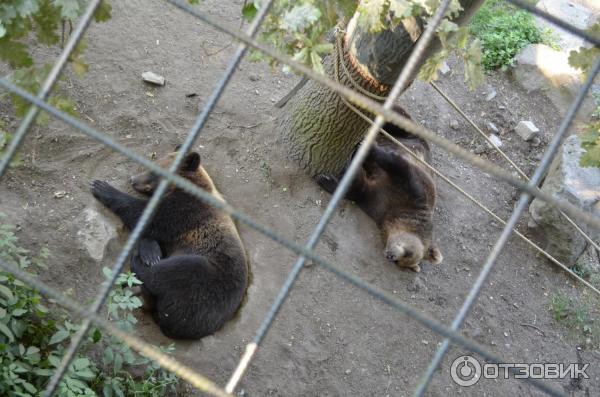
(401,8)
(96,335)
(14,53)
(69,9)
(4,329)
(59,337)
(26,8)
(371,14)
(4,290)
(249,11)
(103,12)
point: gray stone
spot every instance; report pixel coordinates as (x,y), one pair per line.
(444,69)
(496,140)
(491,95)
(454,124)
(568,181)
(95,232)
(153,78)
(493,127)
(581,14)
(526,130)
(541,68)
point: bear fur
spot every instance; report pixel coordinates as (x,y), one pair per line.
(398,193)
(190,258)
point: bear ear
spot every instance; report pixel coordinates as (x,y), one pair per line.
(191,162)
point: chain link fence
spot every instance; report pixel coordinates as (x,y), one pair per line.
(383,112)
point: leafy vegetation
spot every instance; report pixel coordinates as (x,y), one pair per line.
(34,336)
(303,29)
(504,30)
(580,316)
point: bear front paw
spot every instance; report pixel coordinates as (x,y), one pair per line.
(326,182)
(102,190)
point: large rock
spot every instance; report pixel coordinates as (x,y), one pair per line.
(539,67)
(580,186)
(579,13)
(95,233)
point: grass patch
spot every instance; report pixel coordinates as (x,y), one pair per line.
(580,316)
(503,31)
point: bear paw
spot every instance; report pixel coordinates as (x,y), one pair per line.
(327,182)
(102,190)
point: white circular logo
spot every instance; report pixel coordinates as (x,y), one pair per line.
(465,371)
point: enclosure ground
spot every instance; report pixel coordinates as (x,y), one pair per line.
(330,338)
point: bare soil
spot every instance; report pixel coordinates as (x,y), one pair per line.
(330,338)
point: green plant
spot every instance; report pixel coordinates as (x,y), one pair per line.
(303,29)
(33,339)
(579,315)
(504,30)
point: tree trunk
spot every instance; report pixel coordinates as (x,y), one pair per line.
(318,129)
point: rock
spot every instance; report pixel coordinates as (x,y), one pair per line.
(491,95)
(526,130)
(496,140)
(541,68)
(95,232)
(493,127)
(566,180)
(153,78)
(254,77)
(444,69)
(454,124)
(582,16)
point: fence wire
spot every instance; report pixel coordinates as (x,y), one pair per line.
(382,112)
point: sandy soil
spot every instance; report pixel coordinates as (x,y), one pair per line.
(330,339)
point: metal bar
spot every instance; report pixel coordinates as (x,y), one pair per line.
(402,122)
(152,205)
(169,363)
(539,173)
(340,192)
(55,72)
(557,21)
(193,190)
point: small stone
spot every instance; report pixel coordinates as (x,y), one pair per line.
(536,141)
(479,149)
(444,69)
(95,233)
(454,124)
(254,77)
(526,130)
(491,95)
(501,107)
(348,371)
(153,78)
(425,342)
(493,127)
(495,140)
(60,194)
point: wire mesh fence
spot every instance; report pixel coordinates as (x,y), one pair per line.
(383,113)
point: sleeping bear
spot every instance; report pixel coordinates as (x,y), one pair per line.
(190,257)
(398,193)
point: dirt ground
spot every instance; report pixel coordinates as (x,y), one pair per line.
(330,338)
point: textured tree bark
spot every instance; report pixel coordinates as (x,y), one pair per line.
(319,131)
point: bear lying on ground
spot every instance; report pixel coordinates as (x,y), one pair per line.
(398,193)
(190,258)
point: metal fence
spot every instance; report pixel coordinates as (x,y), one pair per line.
(384,113)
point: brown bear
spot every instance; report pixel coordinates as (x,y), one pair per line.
(190,259)
(398,193)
